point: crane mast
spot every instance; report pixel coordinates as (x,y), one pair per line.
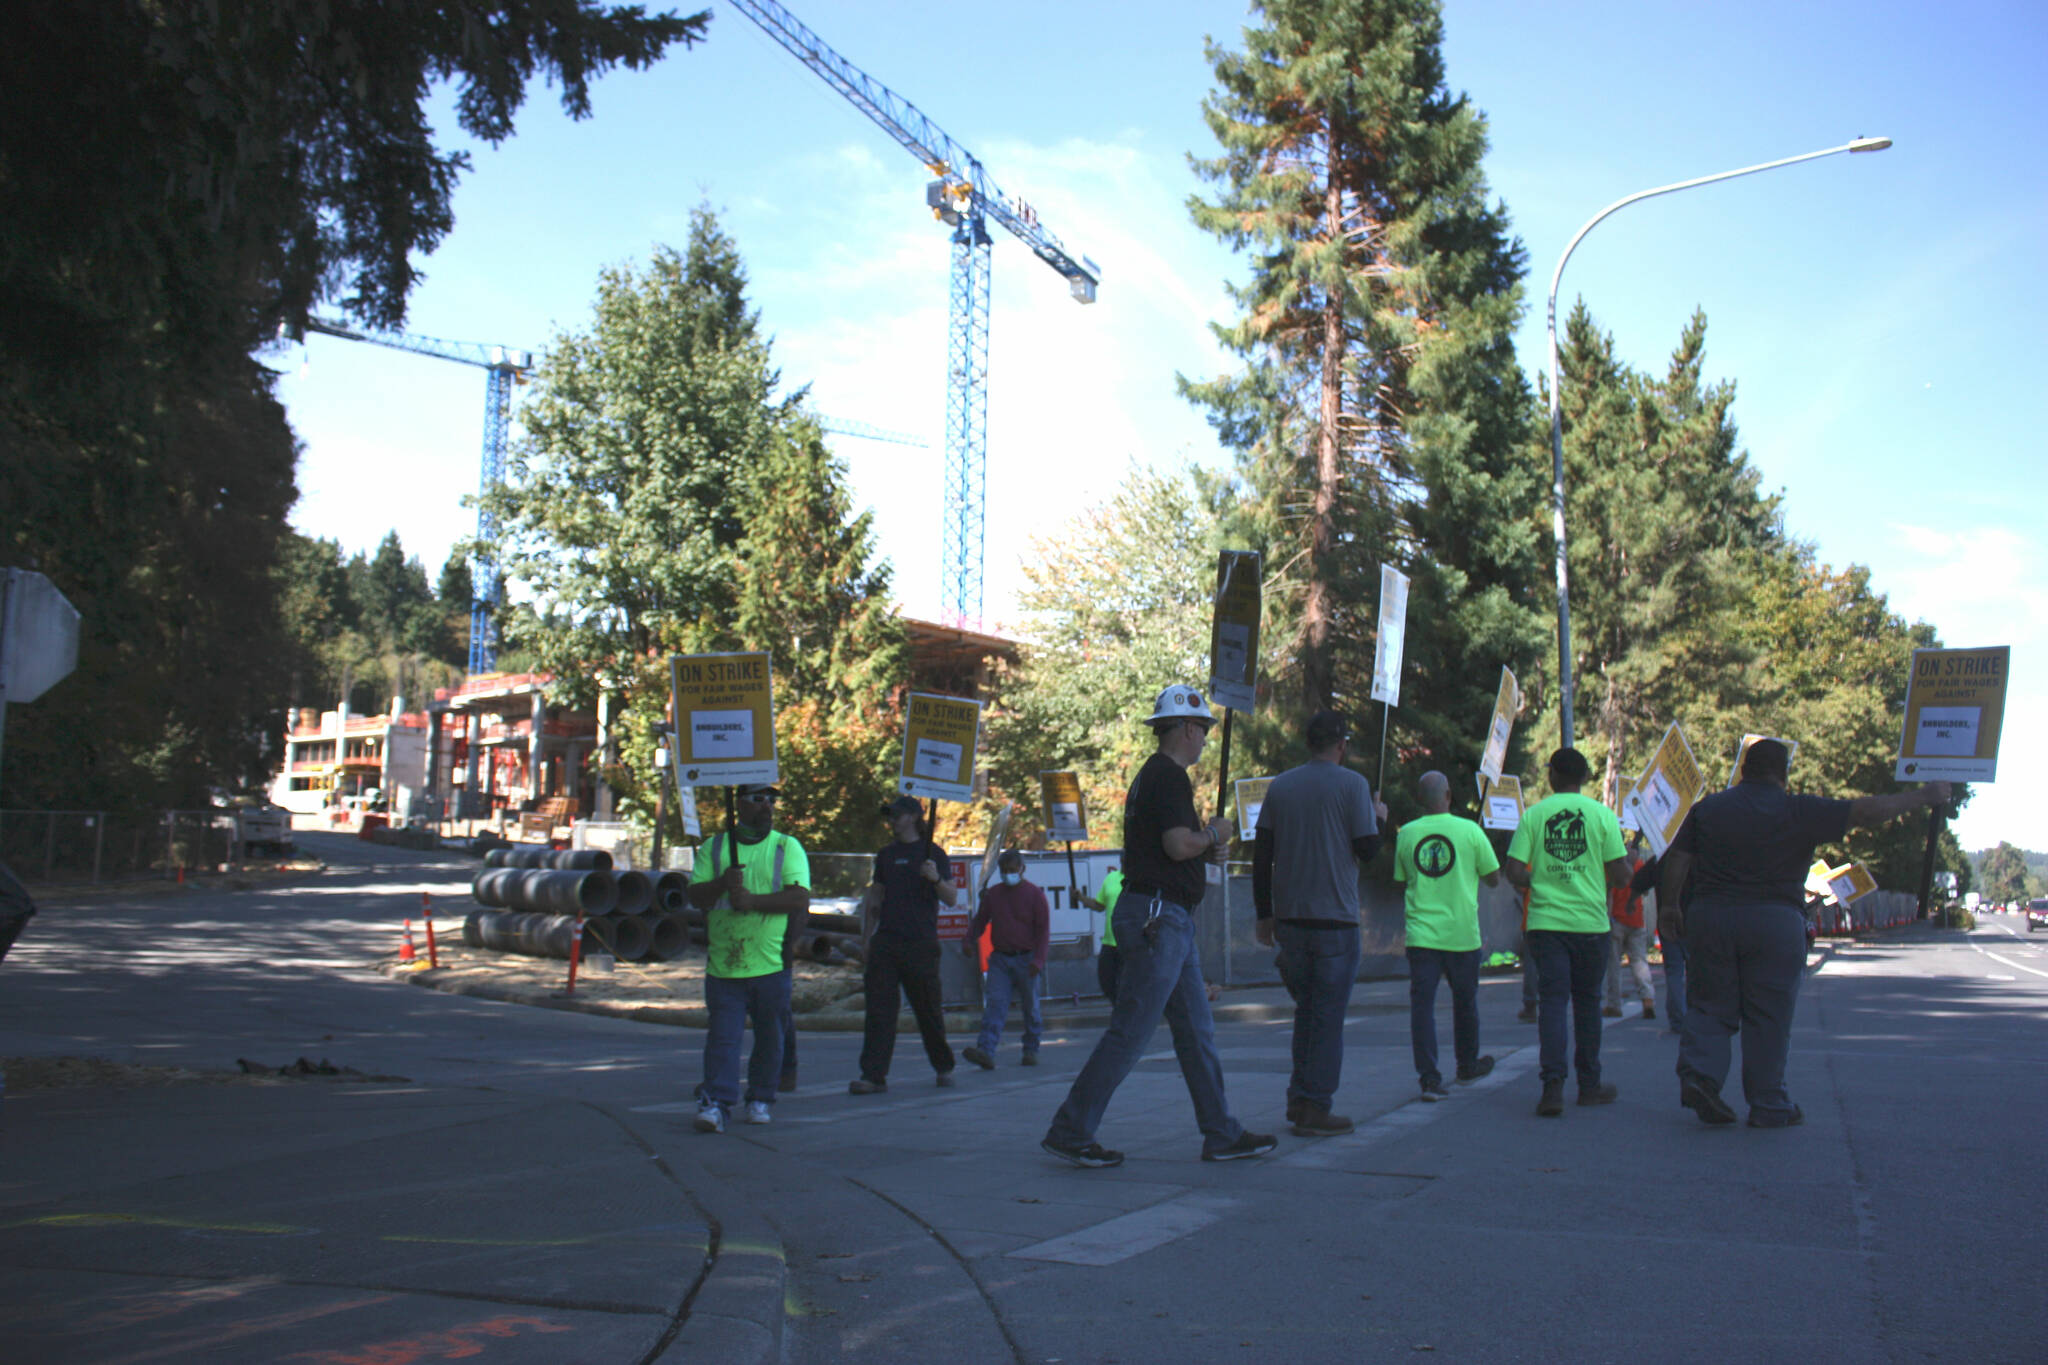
(965,198)
(502,366)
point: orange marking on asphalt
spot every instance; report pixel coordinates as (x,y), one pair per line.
(453,1344)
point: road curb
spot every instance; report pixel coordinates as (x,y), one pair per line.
(837,1021)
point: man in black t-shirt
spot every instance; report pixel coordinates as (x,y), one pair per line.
(1746,851)
(1160,971)
(900,914)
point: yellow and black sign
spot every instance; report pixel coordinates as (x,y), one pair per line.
(939,736)
(1955,708)
(1506,701)
(1500,802)
(724,707)
(1251,799)
(1234,631)
(1667,790)
(1065,818)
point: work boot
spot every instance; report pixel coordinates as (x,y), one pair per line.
(1295,1109)
(1610,1011)
(1481,1067)
(1777,1118)
(1316,1121)
(1590,1095)
(863,1086)
(1649,1009)
(1552,1104)
(1433,1090)
(1705,1101)
(979,1058)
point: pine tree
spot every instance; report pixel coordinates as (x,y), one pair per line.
(1668,536)
(1379,416)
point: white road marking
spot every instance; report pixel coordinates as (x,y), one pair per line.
(1130,1234)
(2006,961)
(1337,1151)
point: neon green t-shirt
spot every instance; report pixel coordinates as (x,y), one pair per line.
(1441,859)
(1572,839)
(1112,887)
(745,942)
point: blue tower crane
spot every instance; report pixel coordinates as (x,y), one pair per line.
(502,366)
(964,198)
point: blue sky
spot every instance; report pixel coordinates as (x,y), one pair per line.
(1880,315)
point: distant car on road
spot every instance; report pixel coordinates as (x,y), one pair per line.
(2037,913)
(264,829)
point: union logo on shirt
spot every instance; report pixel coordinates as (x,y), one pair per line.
(1435,856)
(1564,835)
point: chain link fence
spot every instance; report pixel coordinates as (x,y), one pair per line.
(82,847)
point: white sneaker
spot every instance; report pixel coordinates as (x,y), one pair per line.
(759,1111)
(710,1117)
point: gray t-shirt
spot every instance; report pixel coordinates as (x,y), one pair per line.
(1314,812)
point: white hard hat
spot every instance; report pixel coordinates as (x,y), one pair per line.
(1180,703)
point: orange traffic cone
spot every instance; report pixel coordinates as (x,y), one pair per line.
(405,949)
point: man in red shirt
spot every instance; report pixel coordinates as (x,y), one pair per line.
(1020,925)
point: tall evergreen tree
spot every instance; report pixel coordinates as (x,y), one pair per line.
(1380,416)
(667,500)
(1669,533)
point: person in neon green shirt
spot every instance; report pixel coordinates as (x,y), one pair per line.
(1106,960)
(748,881)
(1441,859)
(1568,852)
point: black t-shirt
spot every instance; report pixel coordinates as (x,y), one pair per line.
(1755,841)
(1160,799)
(910,904)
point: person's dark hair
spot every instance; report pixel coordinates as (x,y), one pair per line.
(1325,729)
(1010,857)
(1766,759)
(1568,767)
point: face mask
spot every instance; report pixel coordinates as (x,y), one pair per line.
(1012,878)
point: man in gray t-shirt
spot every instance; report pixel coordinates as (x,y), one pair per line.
(1320,823)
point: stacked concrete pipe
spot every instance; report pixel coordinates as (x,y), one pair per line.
(551,859)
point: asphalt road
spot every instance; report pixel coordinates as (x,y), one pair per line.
(531,1190)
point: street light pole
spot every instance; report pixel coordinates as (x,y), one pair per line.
(1564,603)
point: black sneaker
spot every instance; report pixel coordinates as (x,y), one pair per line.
(1707,1103)
(1247,1144)
(1599,1094)
(979,1058)
(1552,1104)
(1483,1066)
(1315,1121)
(1092,1154)
(1432,1091)
(1777,1118)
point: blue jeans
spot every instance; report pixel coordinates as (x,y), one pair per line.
(1674,982)
(1569,967)
(1317,966)
(1747,960)
(733,1003)
(1461,970)
(1157,977)
(1009,974)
